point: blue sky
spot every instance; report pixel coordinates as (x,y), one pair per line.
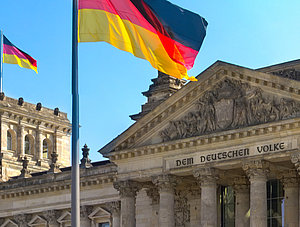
(250,33)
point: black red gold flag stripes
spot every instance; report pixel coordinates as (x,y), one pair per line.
(13,55)
(164,34)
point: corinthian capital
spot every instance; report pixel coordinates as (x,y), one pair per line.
(165,182)
(206,175)
(295,159)
(127,188)
(256,169)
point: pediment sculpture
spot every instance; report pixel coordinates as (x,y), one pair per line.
(231,104)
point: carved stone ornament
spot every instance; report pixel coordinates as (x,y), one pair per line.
(22,219)
(51,216)
(153,194)
(228,105)
(256,169)
(295,159)
(288,73)
(241,184)
(206,175)
(127,188)
(165,182)
(181,209)
(114,207)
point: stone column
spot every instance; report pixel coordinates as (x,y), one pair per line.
(20,139)
(39,144)
(166,184)
(154,195)
(295,159)
(127,190)
(291,198)
(51,217)
(194,201)
(257,171)
(114,208)
(242,202)
(208,181)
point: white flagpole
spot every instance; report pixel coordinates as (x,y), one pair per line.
(75,187)
(1,66)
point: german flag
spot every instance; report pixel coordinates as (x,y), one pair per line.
(164,34)
(13,55)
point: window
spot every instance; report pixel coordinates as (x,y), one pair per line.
(106,224)
(227,200)
(45,149)
(9,141)
(27,145)
(275,201)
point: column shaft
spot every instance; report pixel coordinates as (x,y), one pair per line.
(242,204)
(208,204)
(291,203)
(128,211)
(20,139)
(166,208)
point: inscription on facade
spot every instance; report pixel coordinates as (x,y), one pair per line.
(207,157)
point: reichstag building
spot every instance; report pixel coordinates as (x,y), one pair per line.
(222,151)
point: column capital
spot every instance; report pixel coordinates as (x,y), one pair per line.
(127,188)
(256,169)
(165,182)
(51,216)
(206,175)
(295,159)
(289,178)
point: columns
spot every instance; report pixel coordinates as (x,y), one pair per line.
(165,184)
(127,190)
(242,202)
(154,195)
(20,138)
(208,181)
(256,171)
(114,208)
(39,144)
(291,200)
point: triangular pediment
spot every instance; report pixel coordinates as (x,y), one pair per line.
(225,97)
(37,221)
(9,223)
(99,212)
(65,217)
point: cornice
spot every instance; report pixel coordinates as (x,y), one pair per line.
(57,182)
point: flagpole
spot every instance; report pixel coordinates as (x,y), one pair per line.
(75,187)
(1,66)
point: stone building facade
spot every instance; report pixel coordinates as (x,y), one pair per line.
(34,132)
(222,151)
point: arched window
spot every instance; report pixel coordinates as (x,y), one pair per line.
(9,141)
(27,145)
(45,149)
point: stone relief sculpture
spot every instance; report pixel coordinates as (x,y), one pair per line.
(288,73)
(181,209)
(231,104)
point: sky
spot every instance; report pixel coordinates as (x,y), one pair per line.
(249,33)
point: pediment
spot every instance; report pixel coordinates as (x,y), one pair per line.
(225,97)
(37,221)
(99,212)
(65,217)
(9,223)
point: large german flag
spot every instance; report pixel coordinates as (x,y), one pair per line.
(13,55)
(164,34)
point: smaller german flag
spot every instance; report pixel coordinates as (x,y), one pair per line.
(13,55)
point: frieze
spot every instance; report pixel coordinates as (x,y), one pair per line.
(288,73)
(230,104)
(232,153)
